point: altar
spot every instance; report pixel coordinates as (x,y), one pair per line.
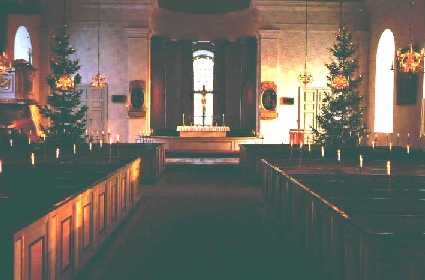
(202,131)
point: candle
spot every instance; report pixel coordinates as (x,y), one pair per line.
(74,149)
(11,142)
(101,143)
(57,153)
(373,144)
(32,159)
(90,146)
(408,149)
(291,143)
(338,154)
(1,166)
(361,161)
(391,146)
(183,119)
(223,119)
(44,137)
(29,141)
(301,145)
(322,149)
(309,147)
(103,132)
(389,168)
(118,138)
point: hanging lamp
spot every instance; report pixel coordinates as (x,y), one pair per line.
(305,78)
(99,81)
(340,81)
(409,60)
(65,81)
(5,64)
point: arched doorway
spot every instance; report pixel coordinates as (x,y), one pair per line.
(384,83)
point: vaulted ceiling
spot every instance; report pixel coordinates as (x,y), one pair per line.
(204,6)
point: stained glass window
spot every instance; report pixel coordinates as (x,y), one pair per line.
(203,85)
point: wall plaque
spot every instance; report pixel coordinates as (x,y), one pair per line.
(119,98)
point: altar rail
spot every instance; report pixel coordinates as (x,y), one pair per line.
(204,144)
(361,237)
(60,243)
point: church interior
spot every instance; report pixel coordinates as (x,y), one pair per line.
(225,139)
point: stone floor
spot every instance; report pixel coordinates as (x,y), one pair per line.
(199,222)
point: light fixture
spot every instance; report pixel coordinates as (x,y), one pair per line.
(5,64)
(65,83)
(305,78)
(409,59)
(99,81)
(340,81)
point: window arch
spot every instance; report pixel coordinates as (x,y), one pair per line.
(23,46)
(384,83)
(203,80)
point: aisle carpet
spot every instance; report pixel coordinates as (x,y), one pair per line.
(199,222)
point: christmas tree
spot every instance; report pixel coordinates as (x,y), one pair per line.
(64,109)
(341,117)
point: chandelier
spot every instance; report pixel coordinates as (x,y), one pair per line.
(5,64)
(99,81)
(408,59)
(340,82)
(305,78)
(65,83)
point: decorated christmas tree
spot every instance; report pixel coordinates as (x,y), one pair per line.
(64,110)
(341,118)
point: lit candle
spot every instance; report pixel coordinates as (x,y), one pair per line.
(391,146)
(361,161)
(373,144)
(322,149)
(389,168)
(1,166)
(291,143)
(183,119)
(29,141)
(57,153)
(11,142)
(338,154)
(301,145)
(309,147)
(90,146)
(32,159)
(408,149)
(101,143)
(74,149)
(44,137)
(103,132)
(223,119)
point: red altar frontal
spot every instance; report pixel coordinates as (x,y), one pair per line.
(202,131)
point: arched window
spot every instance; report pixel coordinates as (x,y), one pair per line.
(203,80)
(384,83)
(23,47)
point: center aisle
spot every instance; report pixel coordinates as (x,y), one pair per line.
(198,222)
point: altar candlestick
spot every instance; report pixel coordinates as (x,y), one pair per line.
(322,149)
(389,168)
(32,159)
(57,153)
(361,161)
(338,153)
(408,149)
